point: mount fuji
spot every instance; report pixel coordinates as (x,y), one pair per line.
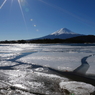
(63,33)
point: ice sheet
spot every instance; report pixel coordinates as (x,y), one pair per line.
(58,60)
(18,78)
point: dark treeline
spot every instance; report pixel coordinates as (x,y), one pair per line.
(79,39)
(13,41)
(34,41)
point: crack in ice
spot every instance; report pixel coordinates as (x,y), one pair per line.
(82,69)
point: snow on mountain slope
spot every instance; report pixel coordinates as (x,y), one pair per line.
(63,33)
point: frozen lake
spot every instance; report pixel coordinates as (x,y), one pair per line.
(24,68)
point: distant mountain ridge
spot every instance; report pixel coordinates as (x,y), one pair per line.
(63,33)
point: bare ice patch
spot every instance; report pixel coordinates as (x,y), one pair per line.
(77,88)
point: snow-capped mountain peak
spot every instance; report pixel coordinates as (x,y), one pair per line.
(63,31)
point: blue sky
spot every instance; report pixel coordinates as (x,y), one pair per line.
(27,19)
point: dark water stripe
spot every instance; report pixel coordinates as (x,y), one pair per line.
(20,56)
(79,73)
(82,69)
(74,76)
(71,75)
(14,60)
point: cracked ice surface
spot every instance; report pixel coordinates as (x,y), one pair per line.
(20,78)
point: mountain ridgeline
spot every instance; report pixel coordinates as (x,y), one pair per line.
(63,35)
